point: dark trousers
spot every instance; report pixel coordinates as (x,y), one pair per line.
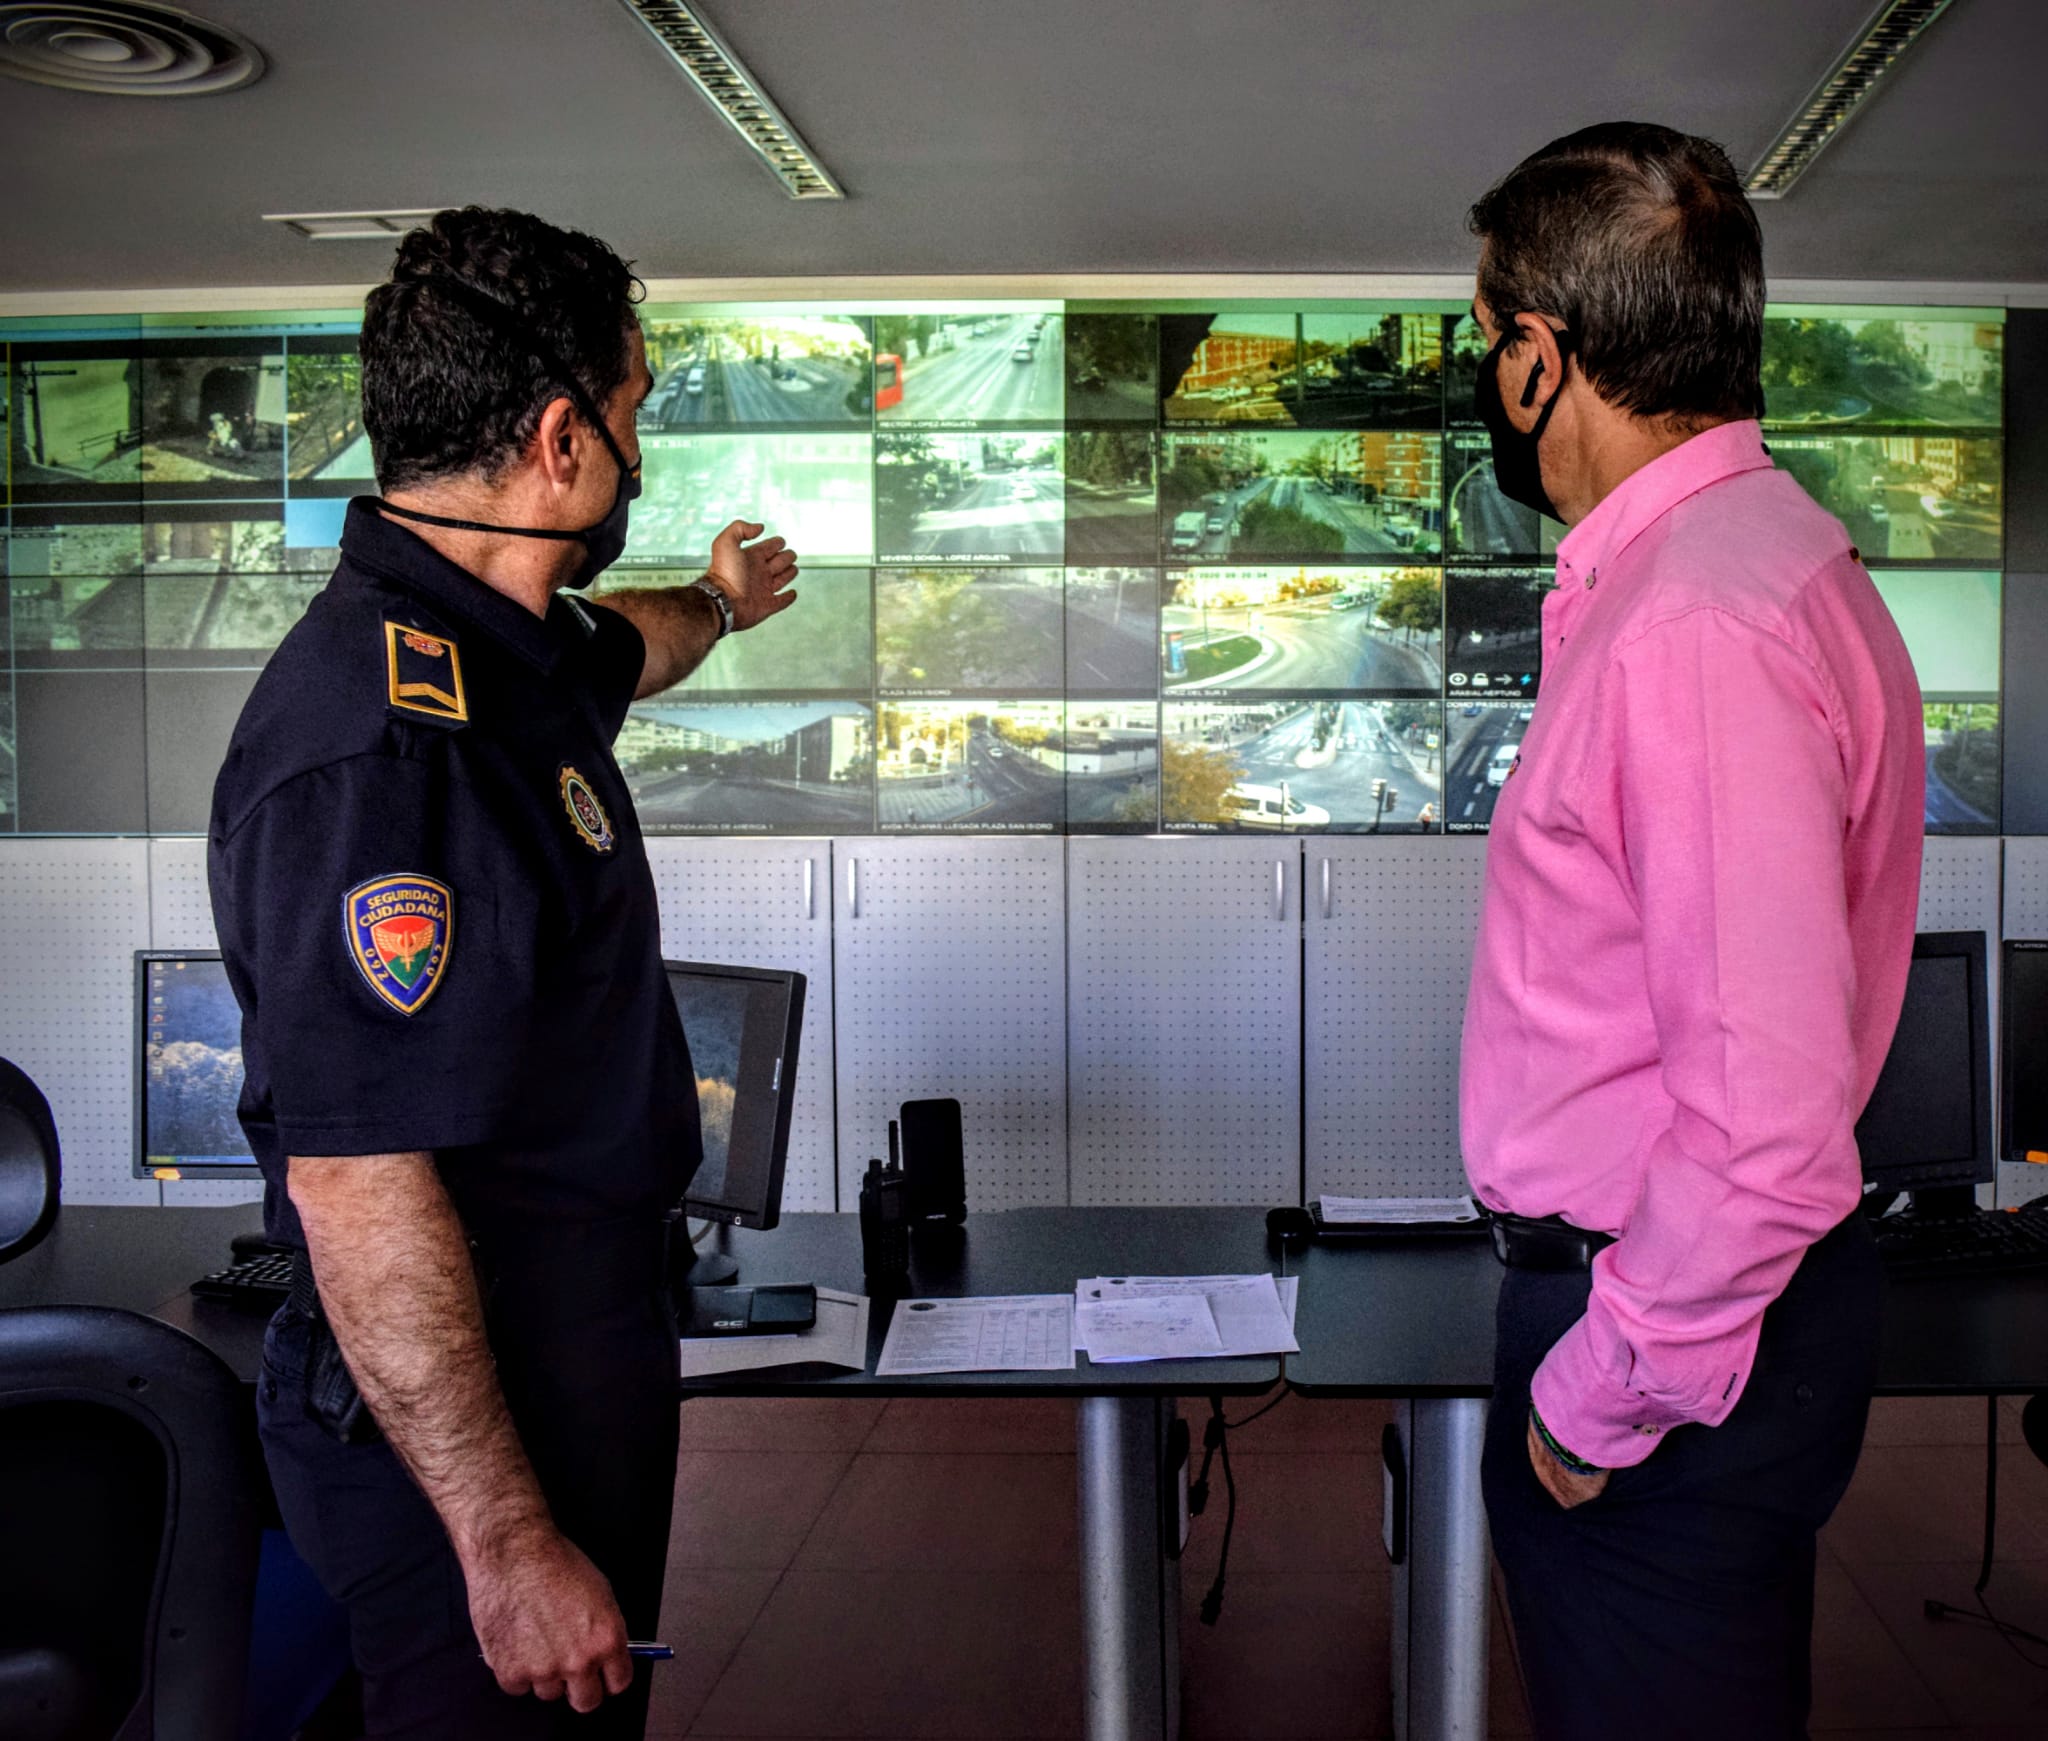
(1679,1603)
(590,1375)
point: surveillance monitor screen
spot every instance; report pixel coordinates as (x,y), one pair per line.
(188,1062)
(2023,1052)
(1951,622)
(1002,369)
(1239,495)
(1929,1118)
(742,1025)
(774,369)
(1824,368)
(1303,628)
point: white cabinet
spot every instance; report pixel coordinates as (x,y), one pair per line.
(1388,932)
(764,903)
(950,972)
(1184,1019)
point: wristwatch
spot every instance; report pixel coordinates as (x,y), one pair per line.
(720,602)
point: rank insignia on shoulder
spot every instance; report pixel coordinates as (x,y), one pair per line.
(400,931)
(424,673)
(593,827)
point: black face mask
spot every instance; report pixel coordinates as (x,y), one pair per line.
(603,544)
(1517,469)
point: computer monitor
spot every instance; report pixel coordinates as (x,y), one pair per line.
(1928,1125)
(743,1024)
(2023,1052)
(188,1069)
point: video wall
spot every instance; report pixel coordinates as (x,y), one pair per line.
(1067,567)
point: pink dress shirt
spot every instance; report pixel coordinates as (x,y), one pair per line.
(1700,900)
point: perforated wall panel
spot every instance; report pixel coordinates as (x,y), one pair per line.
(2026,915)
(1184,1020)
(765,903)
(2026,887)
(72,914)
(1389,932)
(949,976)
(181,917)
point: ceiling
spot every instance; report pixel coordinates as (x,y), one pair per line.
(1033,137)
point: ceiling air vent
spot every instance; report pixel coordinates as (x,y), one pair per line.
(123,48)
(1895,27)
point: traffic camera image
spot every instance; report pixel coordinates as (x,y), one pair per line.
(1905,498)
(815,489)
(1296,628)
(981,766)
(1234,495)
(1898,370)
(327,449)
(1112,368)
(1110,756)
(745,767)
(1112,631)
(1001,369)
(988,497)
(719,371)
(1112,495)
(1486,740)
(1364,766)
(991,630)
(820,645)
(1493,630)
(198,418)
(1481,521)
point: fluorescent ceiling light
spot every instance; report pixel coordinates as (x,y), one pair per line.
(1897,25)
(730,89)
(350,226)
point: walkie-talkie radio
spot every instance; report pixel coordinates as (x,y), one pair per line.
(885,1220)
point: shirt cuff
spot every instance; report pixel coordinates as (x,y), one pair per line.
(1591,1414)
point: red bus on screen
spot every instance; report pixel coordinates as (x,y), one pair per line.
(888,380)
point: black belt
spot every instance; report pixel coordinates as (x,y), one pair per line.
(1552,1244)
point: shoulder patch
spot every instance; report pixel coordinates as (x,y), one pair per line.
(424,673)
(400,931)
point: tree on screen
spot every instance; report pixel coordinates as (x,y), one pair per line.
(1194,781)
(1414,603)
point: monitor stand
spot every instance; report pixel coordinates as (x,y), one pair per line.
(1943,1202)
(712,1266)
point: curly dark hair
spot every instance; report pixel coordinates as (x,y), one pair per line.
(1640,240)
(488,316)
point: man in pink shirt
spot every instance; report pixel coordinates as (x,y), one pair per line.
(1699,913)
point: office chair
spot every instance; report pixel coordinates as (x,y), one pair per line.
(128,1506)
(29,1164)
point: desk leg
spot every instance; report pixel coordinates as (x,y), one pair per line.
(1130,1589)
(1442,1592)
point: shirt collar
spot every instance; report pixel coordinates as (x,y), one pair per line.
(1650,492)
(378,544)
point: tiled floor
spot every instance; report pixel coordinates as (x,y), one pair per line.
(906,1572)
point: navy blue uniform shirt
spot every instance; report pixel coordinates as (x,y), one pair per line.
(434,904)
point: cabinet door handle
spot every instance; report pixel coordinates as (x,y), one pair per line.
(1279,888)
(853,888)
(1326,888)
(810,888)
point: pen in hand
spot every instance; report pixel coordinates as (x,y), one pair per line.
(652,1652)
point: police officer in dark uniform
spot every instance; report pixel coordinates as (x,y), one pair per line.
(466,1080)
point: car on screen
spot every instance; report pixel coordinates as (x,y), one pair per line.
(1023,353)
(1187,530)
(693,382)
(1269,807)
(1502,765)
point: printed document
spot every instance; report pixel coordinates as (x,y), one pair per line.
(998,1333)
(1251,1318)
(1147,1327)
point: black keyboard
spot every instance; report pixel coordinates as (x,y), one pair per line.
(255,1284)
(1985,1243)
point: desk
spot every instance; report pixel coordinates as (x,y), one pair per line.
(1413,1320)
(144,1259)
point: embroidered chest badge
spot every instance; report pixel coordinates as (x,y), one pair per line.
(424,673)
(400,932)
(593,827)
